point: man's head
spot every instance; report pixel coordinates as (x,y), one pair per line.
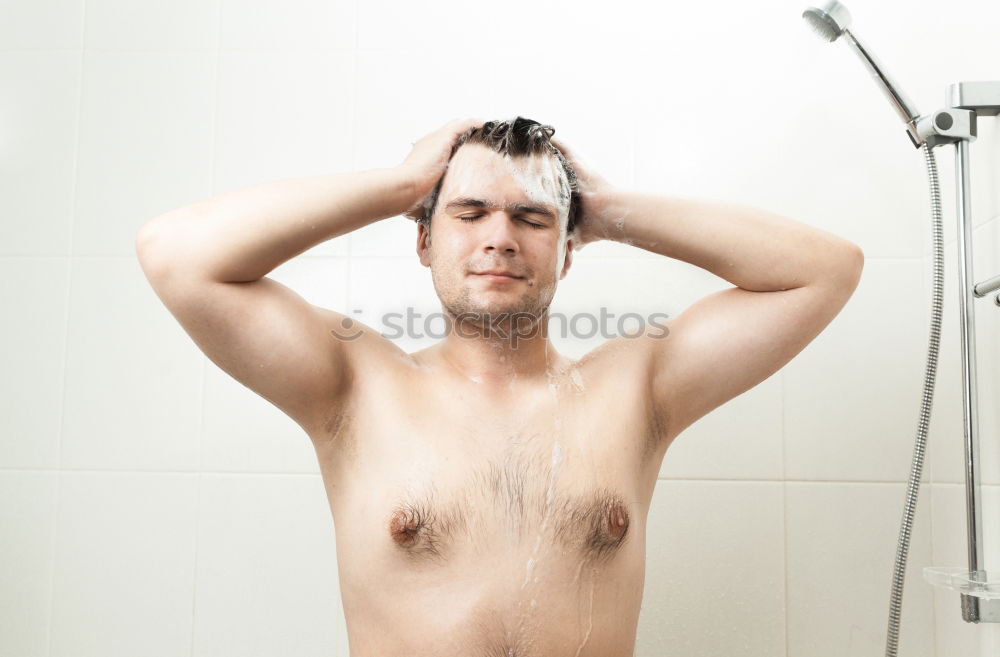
(508,202)
(517,137)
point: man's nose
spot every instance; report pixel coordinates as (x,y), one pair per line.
(500,234)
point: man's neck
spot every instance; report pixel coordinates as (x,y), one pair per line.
(495,357)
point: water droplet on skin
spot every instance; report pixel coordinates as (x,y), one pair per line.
(557,458)
(590,625)
(531,559)
(557,455)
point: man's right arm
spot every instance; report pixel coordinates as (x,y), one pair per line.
(208,262)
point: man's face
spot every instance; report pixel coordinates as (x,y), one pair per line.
(521,229)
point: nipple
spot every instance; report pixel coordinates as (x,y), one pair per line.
(403,528)
(617,521)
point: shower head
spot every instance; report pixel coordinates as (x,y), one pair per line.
(830,21)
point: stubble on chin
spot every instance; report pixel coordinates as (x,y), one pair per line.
(466,306)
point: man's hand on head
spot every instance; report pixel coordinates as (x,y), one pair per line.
(594,222)
(428,160)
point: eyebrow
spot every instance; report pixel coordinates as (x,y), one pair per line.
(467,202)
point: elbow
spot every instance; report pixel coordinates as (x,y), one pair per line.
(851,266)
(857,258)
(150,247)
(143,239)
(170,237)
(841,266)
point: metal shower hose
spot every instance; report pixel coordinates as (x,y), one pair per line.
(913,487)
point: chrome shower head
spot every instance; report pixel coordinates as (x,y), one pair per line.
(829,20)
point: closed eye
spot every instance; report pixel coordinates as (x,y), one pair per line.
(470,218)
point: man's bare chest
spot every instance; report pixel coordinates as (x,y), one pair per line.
(423,508)
(431,482)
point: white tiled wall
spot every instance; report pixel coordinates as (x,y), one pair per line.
(150,505)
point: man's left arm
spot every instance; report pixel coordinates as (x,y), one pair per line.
(791,281)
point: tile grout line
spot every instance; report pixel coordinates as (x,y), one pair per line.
(66,332)
(354,132)
(349,237)
(199,485)
(784,507)
(199,479)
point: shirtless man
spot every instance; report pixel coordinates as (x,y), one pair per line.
(489,494)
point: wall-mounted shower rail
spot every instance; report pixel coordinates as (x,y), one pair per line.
(957,124)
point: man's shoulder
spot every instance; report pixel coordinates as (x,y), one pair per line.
(628,353)
(362,345)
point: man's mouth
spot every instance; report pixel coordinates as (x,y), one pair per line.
(498,271)
(498,275)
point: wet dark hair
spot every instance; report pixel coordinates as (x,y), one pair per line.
(515,137)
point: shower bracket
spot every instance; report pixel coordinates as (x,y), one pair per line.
(945,126)
(957,121)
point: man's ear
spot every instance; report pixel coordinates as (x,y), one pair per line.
(423,244)
(568,259)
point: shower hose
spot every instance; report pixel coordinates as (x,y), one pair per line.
(913,487)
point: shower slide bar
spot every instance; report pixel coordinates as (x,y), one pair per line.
(956,124)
